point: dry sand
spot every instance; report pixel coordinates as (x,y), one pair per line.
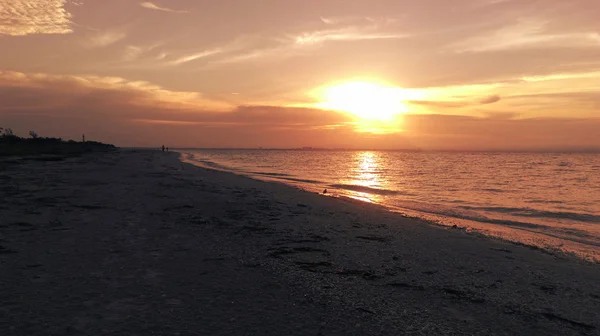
(142,244)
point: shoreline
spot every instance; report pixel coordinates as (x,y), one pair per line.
(545,242)
(139,242)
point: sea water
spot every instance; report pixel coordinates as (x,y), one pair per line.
(549,200)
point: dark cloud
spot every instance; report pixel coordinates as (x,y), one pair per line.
(138,114)
(490,100)
(501,115)
(440,103)
(128,113)
(277,115)
(455,103)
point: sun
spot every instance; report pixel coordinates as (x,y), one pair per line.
(366,100)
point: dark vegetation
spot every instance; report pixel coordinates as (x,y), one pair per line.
(13,145)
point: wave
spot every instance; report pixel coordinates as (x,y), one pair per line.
(271,174)
(527,212)
(492,190)
(212,164)
(454,212)
(575,235)
(300,180)
(544,201)
(368,190)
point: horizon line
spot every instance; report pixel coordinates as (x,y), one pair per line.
(413,150)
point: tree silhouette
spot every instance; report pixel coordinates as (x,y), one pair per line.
(8,132)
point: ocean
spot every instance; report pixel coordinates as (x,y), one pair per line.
(548,200)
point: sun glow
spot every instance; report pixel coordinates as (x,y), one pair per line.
(366,100)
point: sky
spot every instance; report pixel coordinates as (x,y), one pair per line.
(380,74)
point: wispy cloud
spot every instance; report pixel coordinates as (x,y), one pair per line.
(181,57)
(329,20)
(527,34)
(563,76)
(150,5)
(249,55)
(28,17)
(348,29)
(104,39)
(139,93)
(338,20)
(343,34)
(485,3)
(456,103)
(196,56)
(536,95)
(132,53)
(303,42)
(135,53)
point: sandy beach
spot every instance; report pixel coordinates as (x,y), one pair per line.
(139,243)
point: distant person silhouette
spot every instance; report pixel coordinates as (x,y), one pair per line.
(163,148)
(167,149)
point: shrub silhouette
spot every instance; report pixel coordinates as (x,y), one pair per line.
(12,145)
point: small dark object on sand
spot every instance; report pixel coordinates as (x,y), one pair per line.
(325,191)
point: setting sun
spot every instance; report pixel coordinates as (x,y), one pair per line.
(365,100)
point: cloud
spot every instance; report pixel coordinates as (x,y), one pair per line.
(562,76)
(138,113)
(527,34)
(181,57)
(299,44)
(126,112)
(542,94)
(150,5)
(501,115)
(490,100)
(256,54)
(67,88)
(338,20)
(196,56)
(132,53)
(330,20)
(288,116)
(104,39)
(353,33)
(21,91)
(486,3)
(28,17)
(440,103)
(457,103)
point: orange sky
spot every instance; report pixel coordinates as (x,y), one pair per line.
(460,74)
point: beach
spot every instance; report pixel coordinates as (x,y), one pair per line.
(139,243)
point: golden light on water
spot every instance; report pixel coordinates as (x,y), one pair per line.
(368,164)
(365,174)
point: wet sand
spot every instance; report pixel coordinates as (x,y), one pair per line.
(138,243)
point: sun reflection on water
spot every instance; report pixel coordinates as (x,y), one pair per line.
(365,176)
